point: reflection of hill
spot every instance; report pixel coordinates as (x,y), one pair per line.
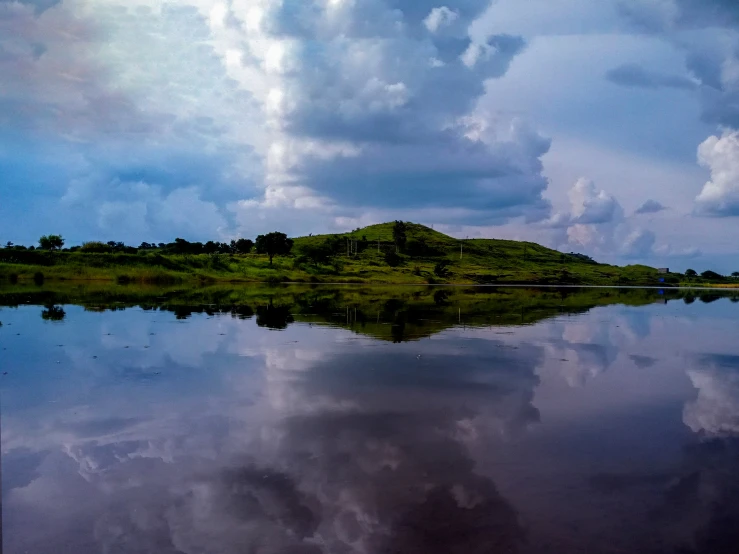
(388,313)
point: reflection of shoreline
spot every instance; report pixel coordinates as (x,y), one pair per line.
(305,438)
(395,314)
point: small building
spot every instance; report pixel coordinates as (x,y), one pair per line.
(663,270)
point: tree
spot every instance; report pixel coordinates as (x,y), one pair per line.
(691,272)
(441,268)
(96,247)
(210,247)
(399,234)
(317,254)
(735,274)
(711,275)
(51,242)
(242,246)
(274,244)
(392,259)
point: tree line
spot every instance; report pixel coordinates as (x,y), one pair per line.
(271,244)
(278,244)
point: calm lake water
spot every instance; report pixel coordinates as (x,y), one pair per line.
(369,421)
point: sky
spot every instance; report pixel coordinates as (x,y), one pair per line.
(609,128)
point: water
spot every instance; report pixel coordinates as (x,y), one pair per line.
(369,421)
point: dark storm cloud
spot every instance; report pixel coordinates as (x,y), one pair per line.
(705,58)
(136,128)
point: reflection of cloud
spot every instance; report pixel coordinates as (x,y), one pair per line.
(643,362)
(715,410)
(585,350)
(698,508)
(312,447)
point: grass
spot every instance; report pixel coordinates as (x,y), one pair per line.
(483,261)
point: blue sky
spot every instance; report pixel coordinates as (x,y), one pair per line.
(610,128)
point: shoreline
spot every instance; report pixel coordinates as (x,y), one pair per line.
(195,282)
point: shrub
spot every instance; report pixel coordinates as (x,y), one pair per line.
(441,269)
(392,259)
(421,249)
(96,247)
(51,242)
(317,253)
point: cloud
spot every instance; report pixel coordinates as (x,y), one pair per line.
(592,221)
(720,195)
(350,106)
(380,116)
(634,75)
(439,18)
(597,225)
(638,244)
(650,207)
(97,118)
(591,206)
(706,32)
(661,15)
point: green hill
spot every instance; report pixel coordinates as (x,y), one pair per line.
(367,255)
(480,261)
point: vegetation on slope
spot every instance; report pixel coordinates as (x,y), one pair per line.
(399,252)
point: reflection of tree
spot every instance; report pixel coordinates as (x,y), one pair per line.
(274,317)
(53,313)
(397,329)
(182,312)
(441,297)
(242,312)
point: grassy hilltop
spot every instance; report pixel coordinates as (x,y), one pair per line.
(365,255)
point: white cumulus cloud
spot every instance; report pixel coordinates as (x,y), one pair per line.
(720,195)
(439,18)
